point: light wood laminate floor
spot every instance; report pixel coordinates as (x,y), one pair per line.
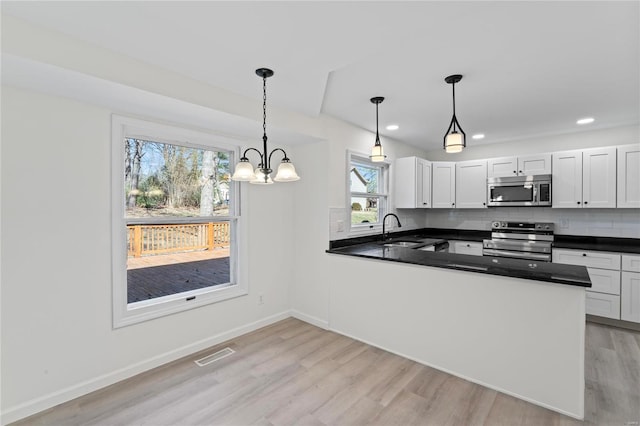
(292,373)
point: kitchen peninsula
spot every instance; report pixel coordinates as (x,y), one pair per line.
(512,325)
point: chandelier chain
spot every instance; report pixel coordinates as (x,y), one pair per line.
(264,105)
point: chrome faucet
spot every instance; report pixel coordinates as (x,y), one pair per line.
(384,237)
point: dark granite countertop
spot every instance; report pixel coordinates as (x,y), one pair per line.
(445,234)
(579,242)
(516,268)
(620,245)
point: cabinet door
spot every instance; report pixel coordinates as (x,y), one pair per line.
(567,179)
(405,182)
(423,181)
(604,280)
(599,178)
(502,167)
(630,297)
(534,165)
(443,189)
(631,262)
(471,184)
(629,176)
(473,248)
(590,259)
(603,305)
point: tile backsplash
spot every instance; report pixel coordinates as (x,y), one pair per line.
(621,223)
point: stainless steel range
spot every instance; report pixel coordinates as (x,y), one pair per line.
(520,240)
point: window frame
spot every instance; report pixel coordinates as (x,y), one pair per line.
(124,314)
(382,194)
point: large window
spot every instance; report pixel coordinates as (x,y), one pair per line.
(175,220)
(368,183)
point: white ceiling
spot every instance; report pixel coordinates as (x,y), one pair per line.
(530,68)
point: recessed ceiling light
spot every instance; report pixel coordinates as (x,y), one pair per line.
(393,127)
(585,120)
(478,136)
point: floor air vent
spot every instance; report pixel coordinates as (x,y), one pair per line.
(215,357)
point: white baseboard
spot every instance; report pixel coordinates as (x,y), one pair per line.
(36,405)
(310,319)
(469,379)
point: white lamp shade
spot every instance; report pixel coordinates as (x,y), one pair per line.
(243,172)
(377,153)
(259,178)
(286,172)
(453,143)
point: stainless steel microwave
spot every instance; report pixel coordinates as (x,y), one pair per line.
(519,191)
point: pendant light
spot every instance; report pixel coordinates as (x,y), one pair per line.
(244,171)
(454,141)
(377,154)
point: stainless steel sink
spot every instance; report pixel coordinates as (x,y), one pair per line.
(407,244)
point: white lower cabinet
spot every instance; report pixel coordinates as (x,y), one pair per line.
(630,288)
(473,248)
(603,297)
(603,305)
(604,280)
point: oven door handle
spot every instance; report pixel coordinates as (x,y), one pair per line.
(516,254)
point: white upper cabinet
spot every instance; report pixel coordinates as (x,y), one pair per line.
(599,178)
(534,165)
(502,167)
(443,193)
(471,184)
(412,183)
(566,179)
(519,166)
(584,178)
(629,176)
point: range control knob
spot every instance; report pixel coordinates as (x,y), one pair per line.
(538,226)
(495,225)
(547,227)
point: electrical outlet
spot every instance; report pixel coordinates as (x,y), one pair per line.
(261,299)
(340,225)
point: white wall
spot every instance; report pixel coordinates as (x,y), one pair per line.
(323,188)
(57,336)
(622,223)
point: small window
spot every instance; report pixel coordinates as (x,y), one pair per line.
(368,183)
(175,221)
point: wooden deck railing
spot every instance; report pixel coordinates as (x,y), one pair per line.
(144,240)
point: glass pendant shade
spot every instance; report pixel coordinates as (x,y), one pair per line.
(259,178)
(454,142)
(286,172)
(243,172)
(377,153)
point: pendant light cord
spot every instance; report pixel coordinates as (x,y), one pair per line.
(377,134)
(453,87)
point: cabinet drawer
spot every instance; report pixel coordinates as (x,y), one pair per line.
(591,259)
(604,280)
(473,248)
(630,305)
(631,262)
(603,305)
